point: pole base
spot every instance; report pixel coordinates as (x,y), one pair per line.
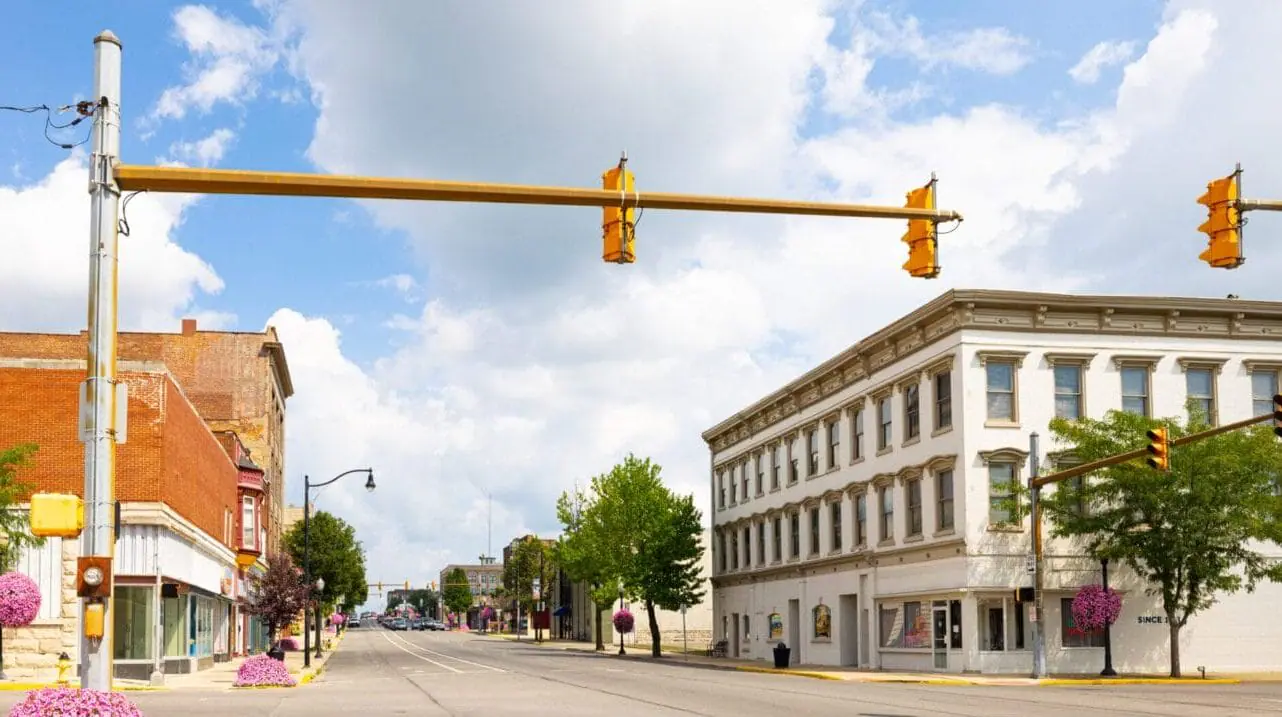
(157,678)
(1108,672)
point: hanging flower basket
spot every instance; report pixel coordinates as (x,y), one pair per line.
(19,600)
(624,622)
(1093,608)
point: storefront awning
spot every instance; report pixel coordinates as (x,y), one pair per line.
(561,611)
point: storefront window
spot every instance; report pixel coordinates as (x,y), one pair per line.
(1072,635)
(905,625)
(175,610)
(202,622)
(134,632)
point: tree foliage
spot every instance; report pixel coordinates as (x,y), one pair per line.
(456,593)
(580,558)
(334,556)
(1189,533)
(635,532)
(15,523)
(422,600)
(278,595)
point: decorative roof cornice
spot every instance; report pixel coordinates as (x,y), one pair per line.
(996,310)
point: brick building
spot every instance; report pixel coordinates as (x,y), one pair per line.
(238,382)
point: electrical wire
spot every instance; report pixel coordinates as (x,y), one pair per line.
(123,223)
(84,111)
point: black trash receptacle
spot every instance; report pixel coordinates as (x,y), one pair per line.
(276,653)
(782,653)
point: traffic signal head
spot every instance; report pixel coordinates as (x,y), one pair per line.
(618,223)
(921,238)
(1277,415)
(1159,449)
(1223,226)
(407,585)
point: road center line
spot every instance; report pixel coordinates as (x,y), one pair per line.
(414,654)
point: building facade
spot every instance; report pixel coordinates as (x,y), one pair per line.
(857,511)
(237,381)
(485,580)
(175,572)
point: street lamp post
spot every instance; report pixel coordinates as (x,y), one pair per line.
(320,588)
(307,542)
(1108,670)
(621,650)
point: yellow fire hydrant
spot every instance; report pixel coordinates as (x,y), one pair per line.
(64,668)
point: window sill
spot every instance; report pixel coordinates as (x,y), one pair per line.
(1005,529)
(912,441)
(914,538)
(760,494)
(943,533)
(941,431)
(885,451)
(834,551)
(1001,424)
(794,559)
(887,543)
(854,461)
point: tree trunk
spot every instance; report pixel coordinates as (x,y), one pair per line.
(1175,644)
(600,629)
(656,649)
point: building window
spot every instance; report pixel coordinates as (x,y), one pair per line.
(1068,391)
(861,520)
(913,490)
(814,531)
(747,546)
(1135,394)
(1201,389)
(721,551)
(721,490)
(834,510)
(1071,634)
(1001,487)
(812,449)
(761,474)
(944,489)
(734,550)
(904,625)
(774,468)
(943,400)
(133,623)
(857,434)
(1077,488)
(761,543)
(1264,386)
(883,424)
(1001,390)
(794,528)
(834,441)
(776,535)
(794,470)
(912,411)
(887,513)
(743,480)
(248,526)
(1001,634)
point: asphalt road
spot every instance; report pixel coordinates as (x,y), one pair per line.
(378,672)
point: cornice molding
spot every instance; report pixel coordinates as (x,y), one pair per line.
(1148,361)
(1001,355)
(1215,364)
(1082,358)
(162,515)
(1008,453)
(1003,311)
(1262,364)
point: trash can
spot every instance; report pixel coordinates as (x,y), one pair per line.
(276,653)
(782,653)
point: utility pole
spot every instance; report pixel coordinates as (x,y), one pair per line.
(1039,566)
(99,396)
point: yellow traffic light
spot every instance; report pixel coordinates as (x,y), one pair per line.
(407,585)
(1277,415)
(433,585)
(1223,226)
(618,224)
(1159,448)
(922,236)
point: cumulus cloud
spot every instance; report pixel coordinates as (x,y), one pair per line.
(1104,54)
(205,151)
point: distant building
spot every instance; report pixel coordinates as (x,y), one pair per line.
(484,580)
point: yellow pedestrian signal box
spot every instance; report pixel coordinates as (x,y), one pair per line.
(618,224)
(57,515)
(1159,449)
(922,235)
(1223,226)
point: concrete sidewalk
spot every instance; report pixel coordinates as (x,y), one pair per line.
(828,672)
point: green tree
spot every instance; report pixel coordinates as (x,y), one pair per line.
(15,524)
(456,593)
(1189,532)
(581,554)
(531,558)
(334,556)
(647,536)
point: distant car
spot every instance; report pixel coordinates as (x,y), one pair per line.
(354,622)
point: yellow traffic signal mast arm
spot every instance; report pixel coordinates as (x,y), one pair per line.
(1267,205)
(132,177)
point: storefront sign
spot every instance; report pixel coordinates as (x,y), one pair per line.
(1151,619)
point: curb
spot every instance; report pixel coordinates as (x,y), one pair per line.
(28,686)
(1051,682)
(794,673)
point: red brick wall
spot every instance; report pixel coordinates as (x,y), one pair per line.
(199,478)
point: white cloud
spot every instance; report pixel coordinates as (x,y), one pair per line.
(995,50)
(229,57)
(404,285)
(206,151)
(44,230)
(1104,54)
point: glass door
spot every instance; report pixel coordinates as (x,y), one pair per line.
(939,638)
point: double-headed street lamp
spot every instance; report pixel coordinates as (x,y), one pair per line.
(307,567)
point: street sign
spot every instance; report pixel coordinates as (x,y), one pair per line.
(537,588)
(683,609)
(1030,563)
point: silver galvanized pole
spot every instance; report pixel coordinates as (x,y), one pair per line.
(1039,566)
(99,419)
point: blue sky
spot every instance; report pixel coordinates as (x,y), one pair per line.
(521,363)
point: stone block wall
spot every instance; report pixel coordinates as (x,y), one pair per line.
(31,652)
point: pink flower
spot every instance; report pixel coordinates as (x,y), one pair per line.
(19,600)
(623,621)
(263,671)
(1093,608)
(74,702)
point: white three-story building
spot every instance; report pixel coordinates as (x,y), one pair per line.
(856,511)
